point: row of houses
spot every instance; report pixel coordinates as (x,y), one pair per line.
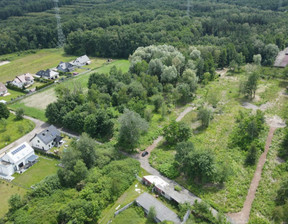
(26,80)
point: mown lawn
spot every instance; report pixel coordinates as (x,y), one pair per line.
(132,215)
(13,95)
(35,104)
(7,190)
(43,168)
(14,129)
(273,173)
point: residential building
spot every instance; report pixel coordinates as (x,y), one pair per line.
(46,139)
(17,159)
(48,74)
(81,61)
(24,80)
(3,89)
(65,67)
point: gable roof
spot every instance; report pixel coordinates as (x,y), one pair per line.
(65,66)
(48,135)
(147,201)
(81,60)
(2,87)
(48,73)
(18,153)
(23,78)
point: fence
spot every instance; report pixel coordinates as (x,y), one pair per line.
(124,208)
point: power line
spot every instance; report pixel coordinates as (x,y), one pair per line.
(61,37)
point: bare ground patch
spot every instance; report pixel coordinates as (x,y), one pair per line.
(41,100)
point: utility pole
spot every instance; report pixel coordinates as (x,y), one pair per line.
(61,37)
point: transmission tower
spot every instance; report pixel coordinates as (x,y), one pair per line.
(61,37)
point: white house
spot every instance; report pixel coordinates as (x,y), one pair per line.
(3,89)
(46,139)
(65,67)
(23,80)
(48,74)
(16,159)
(81,61)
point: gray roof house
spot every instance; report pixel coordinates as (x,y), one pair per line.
(65,67)
(146,201)
(3,89)
(48,74)
(46,139)
(81,61)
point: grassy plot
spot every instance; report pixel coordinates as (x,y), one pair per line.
(36,104)
(132,215)
(7,190)
(273,172)
(32,63)
(13,95)
(11,129)
(43,168)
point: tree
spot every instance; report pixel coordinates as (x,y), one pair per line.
(131,127)
(15,202)
(155,67)
(157,101)
(169,74)
(184,92)
(189,77)
(252,155)
(205,115)
(151,214)
(4,111)
(19,113)
(284,146)
(270,53)
(176,132)
(182,152)
(257,59)
(99,125)
(249,87)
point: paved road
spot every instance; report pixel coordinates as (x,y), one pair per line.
(39,126)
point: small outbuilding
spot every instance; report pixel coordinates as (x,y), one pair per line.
(48,138)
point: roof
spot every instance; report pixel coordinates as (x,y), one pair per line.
(81,60)
(48,73)
(64,65)
(2,87)
(32,158)
(3,101)
(282,59)
(157,181)
(18,153)
(24,78)
(163,213)
(49,134)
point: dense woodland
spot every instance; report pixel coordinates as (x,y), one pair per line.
(117,28)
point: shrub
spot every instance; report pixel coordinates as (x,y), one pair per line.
(177,188)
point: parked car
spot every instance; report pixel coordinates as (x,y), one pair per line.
(144,153)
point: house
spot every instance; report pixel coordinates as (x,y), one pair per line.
(65,67)
(24,80)
(3,89)
(48,74)
(146,201)
(165,189)
(81,61)
(19,158)
(46,139)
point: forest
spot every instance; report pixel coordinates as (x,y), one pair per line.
(118,28)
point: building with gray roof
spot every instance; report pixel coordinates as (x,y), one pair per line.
(146,201)
(46,139)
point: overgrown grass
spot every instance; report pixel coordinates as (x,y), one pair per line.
(43,168)
(14,130)
(7,190)
(30,111)
(273,173)
(132,215)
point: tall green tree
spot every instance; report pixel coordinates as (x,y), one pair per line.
(4,111)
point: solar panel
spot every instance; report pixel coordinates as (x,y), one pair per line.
(18,149)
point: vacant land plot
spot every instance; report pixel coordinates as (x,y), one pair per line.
(11,130)
(43,168)
(36,104)
(133,215)
(7,190)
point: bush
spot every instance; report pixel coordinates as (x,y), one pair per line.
(177,188)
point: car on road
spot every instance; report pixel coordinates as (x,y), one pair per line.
(144,153)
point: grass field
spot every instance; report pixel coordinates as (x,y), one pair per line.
(132,215)
(36,104)
(7,190)
(43,168)
(273,173)
(231,197)
(13,95)
(14,130)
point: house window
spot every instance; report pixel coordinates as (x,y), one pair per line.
(38,141)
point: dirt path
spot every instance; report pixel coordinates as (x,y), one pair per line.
(242,217)
(4,62)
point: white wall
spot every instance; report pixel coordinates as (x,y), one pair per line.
(37,143)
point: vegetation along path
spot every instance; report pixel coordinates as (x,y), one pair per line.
(242,217)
